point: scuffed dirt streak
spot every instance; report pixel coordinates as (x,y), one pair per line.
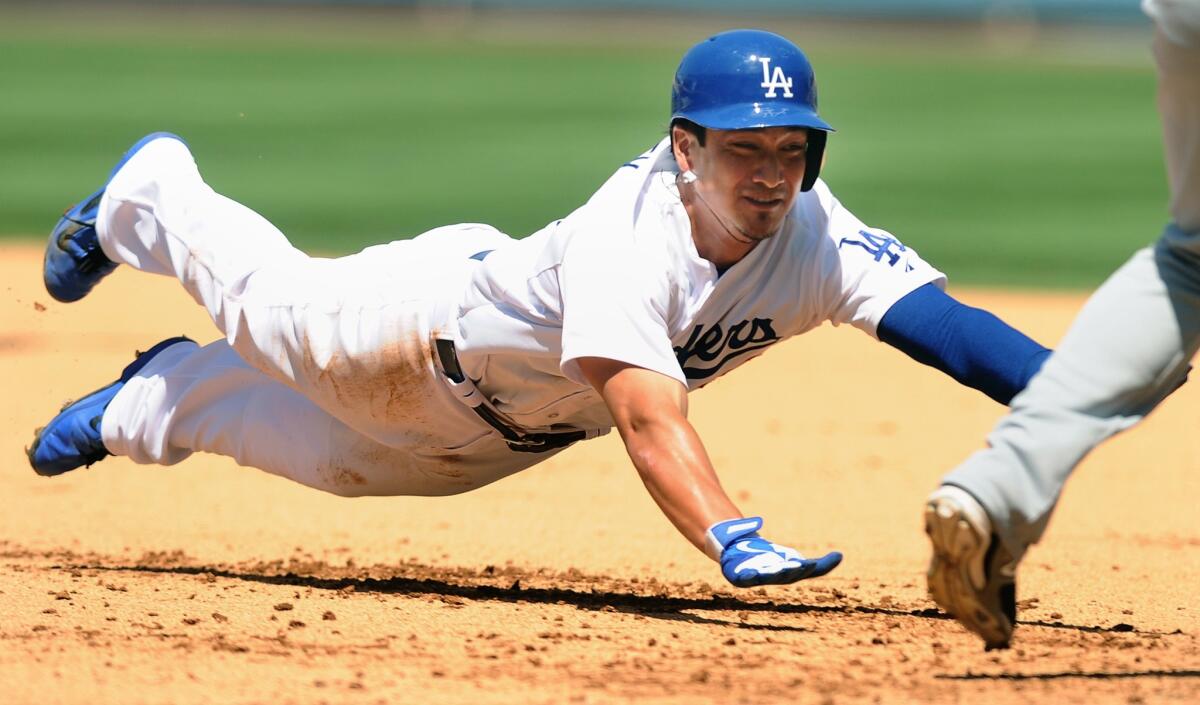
(310,630)
(210,583)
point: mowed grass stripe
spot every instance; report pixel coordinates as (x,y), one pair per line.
(1015,171)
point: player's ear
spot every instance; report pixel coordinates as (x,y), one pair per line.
(682,144)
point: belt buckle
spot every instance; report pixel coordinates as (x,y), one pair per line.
(527,444)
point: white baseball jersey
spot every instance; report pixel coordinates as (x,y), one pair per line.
(620,278)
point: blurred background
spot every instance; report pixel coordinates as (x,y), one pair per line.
(1012,143)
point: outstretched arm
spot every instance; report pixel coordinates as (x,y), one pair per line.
(971,345)
(650,411)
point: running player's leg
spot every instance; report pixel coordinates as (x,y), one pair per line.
(1100,380)
(349,333)
(1128,348)
(1125,352)
(190,398)
(1178,61)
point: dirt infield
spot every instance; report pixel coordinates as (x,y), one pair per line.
(210,583)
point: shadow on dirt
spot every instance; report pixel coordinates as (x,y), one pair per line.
(665,607)
(583,592)
(1094,675)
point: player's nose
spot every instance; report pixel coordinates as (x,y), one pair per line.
(769,172)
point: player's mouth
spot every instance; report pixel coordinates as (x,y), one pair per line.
(763,204)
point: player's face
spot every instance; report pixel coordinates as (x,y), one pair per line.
(751,177)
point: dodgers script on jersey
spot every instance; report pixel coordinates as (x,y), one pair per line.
(620,278)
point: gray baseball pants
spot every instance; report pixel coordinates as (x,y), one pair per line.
(1130,345)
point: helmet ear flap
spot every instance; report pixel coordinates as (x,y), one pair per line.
(813,158)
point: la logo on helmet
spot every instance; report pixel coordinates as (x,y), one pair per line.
(772,80)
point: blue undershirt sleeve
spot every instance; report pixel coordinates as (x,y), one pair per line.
(971,345)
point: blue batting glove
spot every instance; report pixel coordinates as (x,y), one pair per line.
(748,559)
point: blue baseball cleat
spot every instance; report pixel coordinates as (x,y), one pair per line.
(72,439)
(74,262)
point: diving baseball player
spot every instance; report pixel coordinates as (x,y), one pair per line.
(1129,348)
(438,365)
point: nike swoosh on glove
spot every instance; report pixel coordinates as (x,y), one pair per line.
(748,559)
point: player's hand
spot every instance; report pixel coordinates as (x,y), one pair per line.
(748,559)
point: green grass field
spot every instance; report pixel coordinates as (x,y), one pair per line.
(1031,169)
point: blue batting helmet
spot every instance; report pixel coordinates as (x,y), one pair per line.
(748,78)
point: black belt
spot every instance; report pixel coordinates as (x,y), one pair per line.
(517,440)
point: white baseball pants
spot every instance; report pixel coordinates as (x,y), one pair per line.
(325,374)
(1130,345)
